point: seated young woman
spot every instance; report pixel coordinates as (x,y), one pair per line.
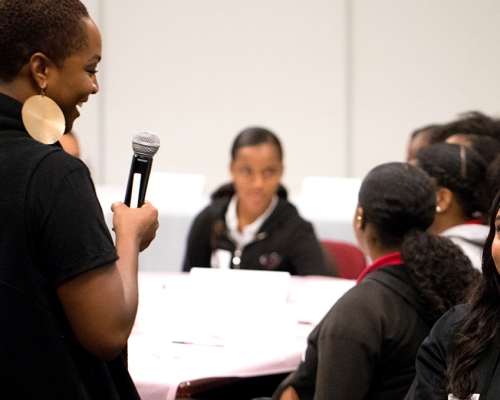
(462,197)
(365,346)
(460,357)
(250,224)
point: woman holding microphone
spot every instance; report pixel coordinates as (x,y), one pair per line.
(68,296)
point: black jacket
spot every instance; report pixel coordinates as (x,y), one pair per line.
(285,242)
(431,362)
(365,346)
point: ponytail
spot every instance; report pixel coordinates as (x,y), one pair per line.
(439,269)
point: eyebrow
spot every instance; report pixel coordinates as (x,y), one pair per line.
(497,218)
(96,57)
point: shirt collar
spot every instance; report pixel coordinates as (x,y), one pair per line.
(250,231)
(388,259)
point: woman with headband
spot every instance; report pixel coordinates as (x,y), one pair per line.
(459,176)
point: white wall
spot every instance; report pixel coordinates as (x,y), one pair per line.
(417,62)
(343,83)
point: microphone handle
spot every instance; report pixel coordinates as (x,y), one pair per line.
(140,165)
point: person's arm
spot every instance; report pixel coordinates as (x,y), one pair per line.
(96,281)
(431,360)
(300,384)
(349,345)
(101,304)
(289,394)
(306,254)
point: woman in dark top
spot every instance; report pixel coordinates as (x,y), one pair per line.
(68,296)
(365,347)
(250,224)
(460,356)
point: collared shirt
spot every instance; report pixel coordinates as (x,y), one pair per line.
(249,232)
(388,259)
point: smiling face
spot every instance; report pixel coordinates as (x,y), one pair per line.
(256,172)
(72,84)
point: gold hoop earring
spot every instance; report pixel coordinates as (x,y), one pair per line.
(43,119)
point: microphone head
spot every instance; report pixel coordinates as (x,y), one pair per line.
(145,144)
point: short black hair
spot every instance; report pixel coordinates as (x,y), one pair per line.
(252,136)
(255,136)
(52,27)
(471,122)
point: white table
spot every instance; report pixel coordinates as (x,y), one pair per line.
(228,339)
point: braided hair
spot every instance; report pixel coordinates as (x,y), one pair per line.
(399,201)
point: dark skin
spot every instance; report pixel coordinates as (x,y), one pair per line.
(100,305)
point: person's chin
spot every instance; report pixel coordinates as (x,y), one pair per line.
(69,127)
(70,120)
(258,205)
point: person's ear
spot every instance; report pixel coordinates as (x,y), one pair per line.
(282,170)
(40,66)
(232,169)
(444,197)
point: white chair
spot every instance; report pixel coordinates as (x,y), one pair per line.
(176,191)
(329,198)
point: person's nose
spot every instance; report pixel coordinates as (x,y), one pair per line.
(95,86)
(258,180)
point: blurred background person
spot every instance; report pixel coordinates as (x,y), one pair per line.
(460,356)
(421,137)
(470,123)
(462,198)
(365,347)
(250,224)
(472,129)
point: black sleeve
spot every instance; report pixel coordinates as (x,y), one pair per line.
(198,249)
(67,219)
(306,254)
(341,351)
(303,380)
(431,360)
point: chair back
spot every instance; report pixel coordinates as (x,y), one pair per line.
(349,258)
(330,198)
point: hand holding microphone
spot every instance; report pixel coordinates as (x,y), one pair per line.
(145,146)
(137,226)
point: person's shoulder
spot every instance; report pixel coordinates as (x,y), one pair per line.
(467,232)
(365,295)
(451,319)
(216,209)
(286,212)
(378,290)
(57,160)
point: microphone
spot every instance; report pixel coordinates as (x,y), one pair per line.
(145,146)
